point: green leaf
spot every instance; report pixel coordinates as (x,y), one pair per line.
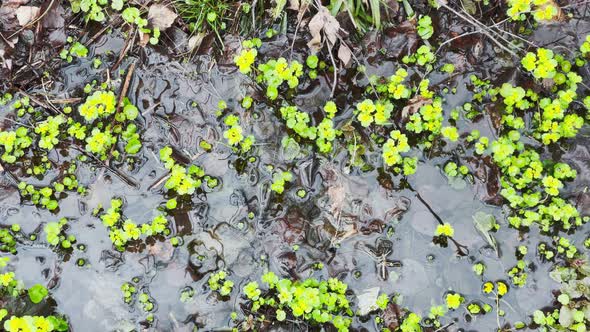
(37,293)
(117,5)
(133,146)
(130,14)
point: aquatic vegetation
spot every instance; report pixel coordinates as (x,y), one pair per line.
(423,57)
(98,105)
(48,197)
(542,64)
(310,300)
(246,59)
(542,10)
(425,29)
(122,230)
(428,119)
(100,142)
(279,179)
(369,112)
(393,147)
(181,180)
(454,300)
(445,229)
(37,293)
(585,47)
(35,323)
(298,121)
(234,135)
(55,234)
(14,144)
(326,134)
(218,282)
(275,72)
(76,50)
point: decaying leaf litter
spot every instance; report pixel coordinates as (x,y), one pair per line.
(436,250)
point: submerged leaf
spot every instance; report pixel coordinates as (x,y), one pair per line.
(485,223)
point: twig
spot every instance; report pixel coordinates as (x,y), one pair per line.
(125,49)
(38,102)
(335,70)
(65,101)
(479,25)
(125,86)
(461,249)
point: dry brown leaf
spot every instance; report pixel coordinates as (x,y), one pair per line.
(414,106)
(195,41)
(161,17)
(324,22)
(294,4)
(344,54)
(144,39)
(26,14)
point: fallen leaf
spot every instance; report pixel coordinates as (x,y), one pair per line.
(144,38)
(195,41)
(367,300)
(324,22)
(344,54)
(414,106)
(161,17)
(484,223)
(294,4)
(26,14)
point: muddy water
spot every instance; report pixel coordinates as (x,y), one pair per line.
(177,101)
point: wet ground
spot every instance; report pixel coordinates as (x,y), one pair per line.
(386,224)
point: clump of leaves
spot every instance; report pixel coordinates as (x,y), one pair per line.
(123,230)
(279,179)
(183,181)
(234,135)
(315,302)
(218,282)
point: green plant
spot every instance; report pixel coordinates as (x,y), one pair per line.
(181,180)
(37,293)
(234,135)
(35,323)
(423,57)
(298,121)
(445,229)
(542,10)
(122,231)
(202,15)
(542,65)
(454,300)
(310,300)
(218,282)
(364,14)
(275,72)
(393,147)
(76,50)
(369,112)
(55,235)
(14,144)
(279,179)
(98,105)
(425,29)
